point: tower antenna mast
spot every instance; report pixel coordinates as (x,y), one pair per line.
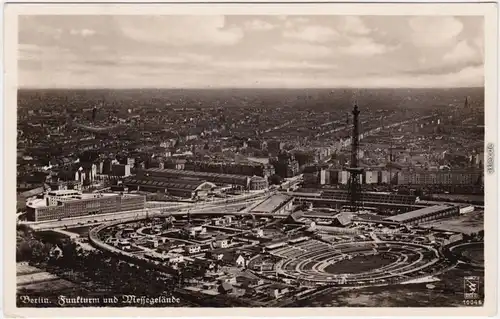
(354,170)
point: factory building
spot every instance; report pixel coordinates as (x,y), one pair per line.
(276,204)
(71,203)
(425,214)
(242,181)
(374,197)
(176,187)
(238,168)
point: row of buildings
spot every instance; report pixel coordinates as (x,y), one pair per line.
(397,177)
(56,205)
(237,168)
(92,172)
(190,184)
(185,188)
(425,214)
(71,202)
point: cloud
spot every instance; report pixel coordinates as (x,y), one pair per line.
(301,20)
(36,29)
(364,46)
(479,44)
(273,65)
(154,61)
(292,22)
(45,54)
(150,60)
(434,31)
(468,76)
(462,52)
(313,33)
(98,48)
(323,51)
(422,61)
(259,25)
(180,30)
(82,32)
(195,57)
(472,74)
(304,50)
(354,25)
(28,51)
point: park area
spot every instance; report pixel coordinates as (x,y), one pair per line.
(358,264)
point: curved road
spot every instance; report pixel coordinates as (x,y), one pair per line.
(325,277)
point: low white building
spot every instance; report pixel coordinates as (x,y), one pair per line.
(259,232)
(196,230)
(193,249)
(221,243)
(240,261)
(466,209)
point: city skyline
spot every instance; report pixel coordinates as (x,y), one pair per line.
(250,52)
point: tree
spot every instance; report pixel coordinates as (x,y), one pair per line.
(86,182)
(275,179)
(481,234)
(418,192)
(23,251)
(167,224)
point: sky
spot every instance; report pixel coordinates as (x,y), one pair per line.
(265,51)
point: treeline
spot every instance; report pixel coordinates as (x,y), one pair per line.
(29,248)
(474,236)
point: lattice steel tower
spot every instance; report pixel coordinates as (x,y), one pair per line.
(355,171)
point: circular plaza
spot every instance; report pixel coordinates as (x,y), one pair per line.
(358,263)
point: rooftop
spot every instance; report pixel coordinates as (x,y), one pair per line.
(272,203)
(42,202)
(168,183)
(176,172)
(418,213)
(65,192)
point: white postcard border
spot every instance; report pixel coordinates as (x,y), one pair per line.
(12,11)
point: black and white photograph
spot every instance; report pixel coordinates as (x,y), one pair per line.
(252,161)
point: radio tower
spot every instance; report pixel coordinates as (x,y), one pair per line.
(354,170)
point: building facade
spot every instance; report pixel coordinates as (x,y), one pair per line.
(245,168)
(68,204)
(257,183)
(452,177)
(216,178)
